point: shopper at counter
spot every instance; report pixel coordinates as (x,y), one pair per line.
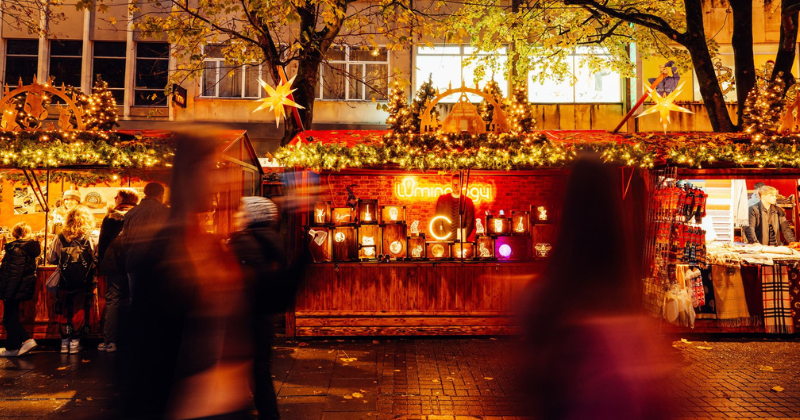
(767,220)
(140,227)
(17,282)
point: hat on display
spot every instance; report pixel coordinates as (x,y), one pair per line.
(259,210)
(73,194)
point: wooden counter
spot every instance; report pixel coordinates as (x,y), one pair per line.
(410,298)
(38,315)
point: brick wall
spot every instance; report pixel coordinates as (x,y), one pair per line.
(508,192)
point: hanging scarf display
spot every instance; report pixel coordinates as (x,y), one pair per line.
(777,301)
(729,295)
(794,294)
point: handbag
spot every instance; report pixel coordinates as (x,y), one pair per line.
(53,281)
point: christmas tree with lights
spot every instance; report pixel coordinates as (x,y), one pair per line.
(400,118)
(763,109)
(519,111)
(425,93)
(486,109)
(101,111)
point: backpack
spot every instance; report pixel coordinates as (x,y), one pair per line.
(76,264)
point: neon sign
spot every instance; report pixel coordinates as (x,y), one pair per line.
(408,188)
(432,230)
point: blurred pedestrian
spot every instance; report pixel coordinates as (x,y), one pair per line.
(593,354)
(74,254)
(111,264)
(140,226)
(189,355)
(17,283)
(269,284)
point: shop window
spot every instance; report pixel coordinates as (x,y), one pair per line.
(447,64)
(354,74)
(22,61)
(580,85)
(222,80)
(152,73)
(109,62)
(65,62)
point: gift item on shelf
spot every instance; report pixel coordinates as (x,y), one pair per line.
(413,230)
(541,214)
(542,249)
(417,247)
(520,222)
(512,248)
(393,214)
(394,241)
(498,225)
(367,211)
(485,248)
(319,243)
(345,245)
(775,286)
(438,250)
(369,242)
(479,227)
(322,213)
(463,250)
(343,216)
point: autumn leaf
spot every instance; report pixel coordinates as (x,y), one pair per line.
(766,368)
(777,389)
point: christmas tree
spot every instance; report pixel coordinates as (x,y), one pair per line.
(101,113)
(486,109)
(519,111)
(424,93)
(763,109)
(400,119)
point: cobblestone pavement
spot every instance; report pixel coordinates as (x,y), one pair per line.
(423,379)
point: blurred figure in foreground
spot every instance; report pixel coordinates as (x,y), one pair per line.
(271,283)
(189,355)
(17,283)
(74,253)
(111,264)
(593,354)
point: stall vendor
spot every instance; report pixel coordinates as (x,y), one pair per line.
(448,206)
(69,201)
(767,220)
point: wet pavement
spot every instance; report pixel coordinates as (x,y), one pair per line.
(424,379)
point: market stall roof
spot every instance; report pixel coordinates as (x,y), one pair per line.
(694,152)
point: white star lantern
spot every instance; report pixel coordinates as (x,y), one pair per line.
(277,98)
(664,104)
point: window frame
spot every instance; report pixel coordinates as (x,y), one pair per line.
(576,58)
(123,59)
(79,57)
(463,54)
(220,63)
(15,83)
(320,89)
(136,89)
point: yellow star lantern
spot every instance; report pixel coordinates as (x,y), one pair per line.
(664,104)
(277,98)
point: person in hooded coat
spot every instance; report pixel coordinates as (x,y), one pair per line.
(17,283)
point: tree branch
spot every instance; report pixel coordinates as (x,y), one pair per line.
(632,15)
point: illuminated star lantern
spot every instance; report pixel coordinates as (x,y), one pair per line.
(277,98)
(664,104)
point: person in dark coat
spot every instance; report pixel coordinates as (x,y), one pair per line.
(140,227)
(455,207)
(260,252)
(17,283)
(109,255)
(768,221)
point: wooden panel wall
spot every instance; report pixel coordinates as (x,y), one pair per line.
(411,299)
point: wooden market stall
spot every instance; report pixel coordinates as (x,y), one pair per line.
(236,157)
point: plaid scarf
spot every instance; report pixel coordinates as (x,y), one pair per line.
(794,293)
(777,303)
(729,291)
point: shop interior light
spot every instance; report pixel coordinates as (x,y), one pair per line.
(437,250)
(395,247)
(417,251)
(498,225)
(414,227)
(542,213)
(320,215)
(431,230)
(339,237)
(505,250)
(393,213)
(318,235)
(367,215)
(485,253)
(479,229)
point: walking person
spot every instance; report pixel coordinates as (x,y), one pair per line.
(270,287)
(111,264)
(17,283)
(141,225)
(73,252)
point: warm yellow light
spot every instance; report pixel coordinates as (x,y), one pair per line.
(430,228)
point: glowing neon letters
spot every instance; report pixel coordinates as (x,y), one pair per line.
(408,188)
(433,233)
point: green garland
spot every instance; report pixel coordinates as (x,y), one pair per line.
(53,149)
(533,150)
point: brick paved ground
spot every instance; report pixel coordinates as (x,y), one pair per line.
(426,379)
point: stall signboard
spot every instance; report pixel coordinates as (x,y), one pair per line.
(421,189)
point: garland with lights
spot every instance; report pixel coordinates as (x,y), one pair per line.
(491,151)
(58,148)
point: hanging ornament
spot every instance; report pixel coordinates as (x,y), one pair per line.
(277,98)
(664,104)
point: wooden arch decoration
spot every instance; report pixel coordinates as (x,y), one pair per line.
(499,122)
(34,106)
